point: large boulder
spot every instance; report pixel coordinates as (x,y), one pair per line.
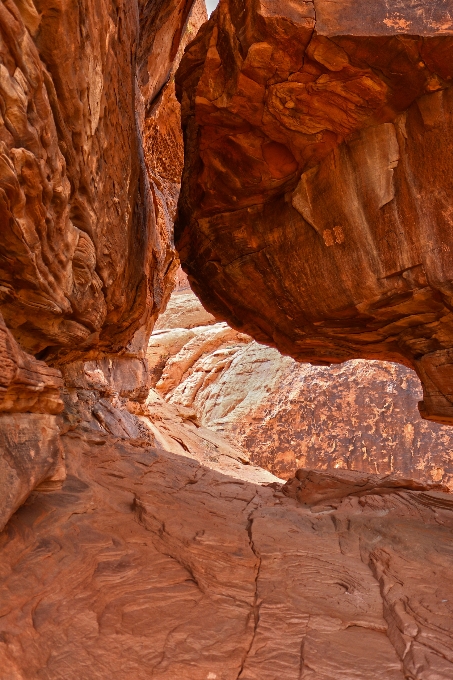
(316,205)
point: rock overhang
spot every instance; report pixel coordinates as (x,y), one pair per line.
(315,210)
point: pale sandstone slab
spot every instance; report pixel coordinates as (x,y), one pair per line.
(359,415)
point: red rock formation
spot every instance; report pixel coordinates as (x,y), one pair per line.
(30,451)
(190,562)
(316,212)
(316,489)
(147,564)
(26,384)
(83,266)
(359,415)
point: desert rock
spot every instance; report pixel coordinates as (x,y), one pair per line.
(84,266)
(361,415)
(148,563)
(30,449)
(315,212)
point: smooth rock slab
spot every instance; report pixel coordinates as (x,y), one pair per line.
(147,565)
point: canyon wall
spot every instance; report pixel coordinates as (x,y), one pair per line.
(360,415)
(136,541)
(89,125)
(85,266)
(315,212)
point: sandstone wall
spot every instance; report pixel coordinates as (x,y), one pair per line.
(84,265)
(30,450)
(359,415)
(89,126)
(316,209)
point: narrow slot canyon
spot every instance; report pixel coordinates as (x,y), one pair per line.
(226,340)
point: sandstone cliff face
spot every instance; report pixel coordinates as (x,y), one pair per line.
(359,415)
(83,265)
(150,547)
(86,258)
(315,211)
(149,565)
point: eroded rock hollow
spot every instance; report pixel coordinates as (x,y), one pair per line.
(316,201)
(135,540)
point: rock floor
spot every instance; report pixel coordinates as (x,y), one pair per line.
(147,564)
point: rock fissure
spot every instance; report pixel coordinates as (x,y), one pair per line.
(255,608)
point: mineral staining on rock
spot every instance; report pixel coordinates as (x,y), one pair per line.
(315,211)
(361,415)
(149,546)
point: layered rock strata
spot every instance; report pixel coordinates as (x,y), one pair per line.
(163,143)
(316,211)
(360,415)
(85,263)
(149,564)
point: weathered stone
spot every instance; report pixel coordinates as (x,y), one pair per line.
(30,451)
(314,487)
(360,415)
(84,268)
(152,565)
(315,211)
(30,454)
(26,384)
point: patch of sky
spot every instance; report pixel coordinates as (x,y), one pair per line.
(211,5)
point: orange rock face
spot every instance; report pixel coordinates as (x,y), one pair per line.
(316,212)
(30,450)
(147,564)
(84,267)
(360,415)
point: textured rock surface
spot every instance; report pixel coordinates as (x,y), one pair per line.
(150,565)
(163,143)
(85,262)
(30,451)
(26,384)
(316,488)
(30,455)
(316,211)
(84,267)
(360,415)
